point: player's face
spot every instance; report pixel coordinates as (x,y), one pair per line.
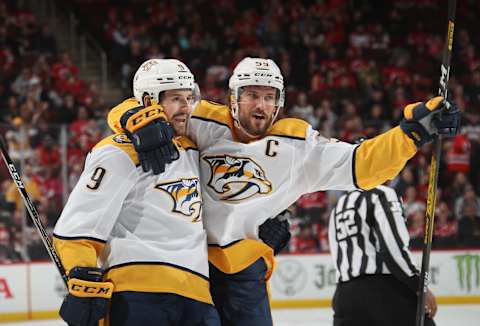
(178,107)
(256,108)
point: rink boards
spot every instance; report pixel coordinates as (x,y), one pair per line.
(35,290)
(309,280)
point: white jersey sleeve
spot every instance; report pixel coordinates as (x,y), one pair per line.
(209,123)
(326,164)
(97,199)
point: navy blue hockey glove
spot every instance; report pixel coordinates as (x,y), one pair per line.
(152,137)
(422,121)
(275,232)
(87,299)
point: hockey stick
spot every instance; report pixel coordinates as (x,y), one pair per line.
(32,212)
(434,165)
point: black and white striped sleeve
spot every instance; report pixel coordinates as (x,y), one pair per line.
(393,236)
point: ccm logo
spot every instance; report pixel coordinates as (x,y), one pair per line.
(16,176)
(89,289)
(261,74)
(145,115)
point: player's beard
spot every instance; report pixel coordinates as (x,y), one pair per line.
(255,126)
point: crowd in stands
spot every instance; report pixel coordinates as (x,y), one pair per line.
(40,91)
(350,68)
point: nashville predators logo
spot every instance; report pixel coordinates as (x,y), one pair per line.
(186,197)
(121,139)
(148,65)
(237,178)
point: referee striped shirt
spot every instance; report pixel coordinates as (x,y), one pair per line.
(368,235)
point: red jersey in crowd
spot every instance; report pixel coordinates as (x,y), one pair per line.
(458,158)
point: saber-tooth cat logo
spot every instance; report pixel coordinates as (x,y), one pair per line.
(468,270)
(186,197)
(236,178)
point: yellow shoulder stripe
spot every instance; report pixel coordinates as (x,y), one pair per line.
(184,143)
(116,113)
(289,127)
(122,142)
(206,110)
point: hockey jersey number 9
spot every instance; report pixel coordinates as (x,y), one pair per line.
(145,230)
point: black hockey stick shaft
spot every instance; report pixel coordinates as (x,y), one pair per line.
(32,212)
(434,167)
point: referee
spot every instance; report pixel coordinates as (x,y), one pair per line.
(376,278)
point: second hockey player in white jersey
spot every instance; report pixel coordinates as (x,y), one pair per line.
(135,238)
(252,168)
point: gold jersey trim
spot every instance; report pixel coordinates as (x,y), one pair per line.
(211,111)
(122,142)
(236,257)
(78,251)
(159,278)
(290,128)
(116,113)
(185,143)
(219,113)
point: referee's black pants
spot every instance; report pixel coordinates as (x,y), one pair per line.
(375,300)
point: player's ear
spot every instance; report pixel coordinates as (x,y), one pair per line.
(147,101)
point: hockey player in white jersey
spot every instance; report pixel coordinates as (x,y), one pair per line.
(253,167)
(136,239)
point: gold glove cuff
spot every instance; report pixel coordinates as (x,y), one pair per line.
(144,117)
(87,289)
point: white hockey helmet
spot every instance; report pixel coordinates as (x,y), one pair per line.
(155,76)
(255,72)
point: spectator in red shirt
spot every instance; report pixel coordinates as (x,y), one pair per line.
(80,124)
(312,205)
(64,67)
(458,156)
(48,153)
(305,241)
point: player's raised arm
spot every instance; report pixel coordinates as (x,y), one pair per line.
(330,164)
(374,161)
(383,157)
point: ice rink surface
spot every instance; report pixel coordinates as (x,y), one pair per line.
(448,315)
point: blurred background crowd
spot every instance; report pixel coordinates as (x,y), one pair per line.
(350,67)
